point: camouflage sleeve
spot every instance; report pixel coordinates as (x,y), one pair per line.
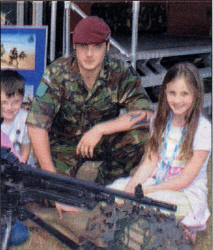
(131,93)
(46,102)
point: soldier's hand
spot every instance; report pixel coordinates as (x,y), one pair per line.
(64,208)
(88,142)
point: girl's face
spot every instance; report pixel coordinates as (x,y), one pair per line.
(10,106)
(179,97)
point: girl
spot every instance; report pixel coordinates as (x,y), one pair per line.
(177,153)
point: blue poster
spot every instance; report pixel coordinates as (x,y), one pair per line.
(24,49)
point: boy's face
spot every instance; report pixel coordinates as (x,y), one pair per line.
(10,106)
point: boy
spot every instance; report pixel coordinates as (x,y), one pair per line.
(12,93)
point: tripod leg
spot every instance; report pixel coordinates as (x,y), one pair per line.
(54,232)
(6,236)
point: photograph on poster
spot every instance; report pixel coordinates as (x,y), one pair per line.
(18,51)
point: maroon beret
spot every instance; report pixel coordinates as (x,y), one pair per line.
(90,30)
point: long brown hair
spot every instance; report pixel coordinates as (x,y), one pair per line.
(190,73)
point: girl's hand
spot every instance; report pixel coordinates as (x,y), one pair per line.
(130,187)
(150,189)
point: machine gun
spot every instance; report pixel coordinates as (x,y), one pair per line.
(22,184)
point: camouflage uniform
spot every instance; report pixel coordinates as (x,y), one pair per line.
(67,109)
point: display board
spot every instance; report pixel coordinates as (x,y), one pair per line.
(24,49)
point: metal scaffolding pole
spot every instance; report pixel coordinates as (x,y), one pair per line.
(53,30)
(66,35)
(77,10)
(37,13)
(135,15)
(20,13)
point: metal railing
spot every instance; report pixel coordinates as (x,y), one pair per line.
(142,57)
(113,42)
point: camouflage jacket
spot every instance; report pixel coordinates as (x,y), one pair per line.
(64,106)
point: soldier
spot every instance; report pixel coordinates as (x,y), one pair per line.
(75,112)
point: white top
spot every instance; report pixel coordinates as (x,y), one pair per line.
(18,133)
(197,190)
(17,130)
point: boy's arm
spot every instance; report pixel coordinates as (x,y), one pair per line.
(40,143)
(25,151)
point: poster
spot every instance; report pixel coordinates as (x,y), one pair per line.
(24,49)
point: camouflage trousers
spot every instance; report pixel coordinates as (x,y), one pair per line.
(119,154)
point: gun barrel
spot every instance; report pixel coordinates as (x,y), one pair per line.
(93,187)
(10,166)
(142,200)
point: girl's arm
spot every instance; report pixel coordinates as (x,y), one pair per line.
(144,171)
(25,151)
(190,171)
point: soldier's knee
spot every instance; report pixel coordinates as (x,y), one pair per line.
(132,138)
